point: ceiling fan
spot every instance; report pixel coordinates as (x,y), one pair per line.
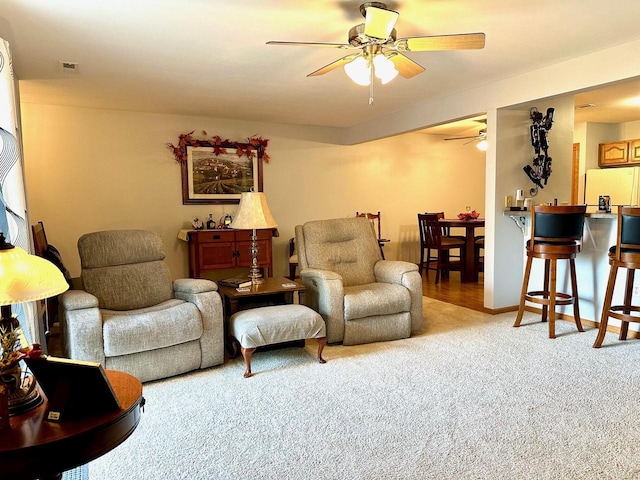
(482,135)
(380,52)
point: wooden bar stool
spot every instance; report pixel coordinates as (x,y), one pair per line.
(624,254)
(556,234)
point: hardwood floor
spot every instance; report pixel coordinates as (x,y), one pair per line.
(451,290)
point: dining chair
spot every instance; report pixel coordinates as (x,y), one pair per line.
(293,258)
(42,248)
(624,254)
(446,232)
(376,220)
(556,234)
(478,244)
(431,238)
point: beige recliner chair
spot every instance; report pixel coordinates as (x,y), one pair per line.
(131,317)
(361,297)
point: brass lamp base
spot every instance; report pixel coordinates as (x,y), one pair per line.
(254,272)
(255,276)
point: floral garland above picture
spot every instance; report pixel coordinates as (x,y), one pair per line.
(217,171)
(219,146)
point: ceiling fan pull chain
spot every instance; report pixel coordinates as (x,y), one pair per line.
(371,85)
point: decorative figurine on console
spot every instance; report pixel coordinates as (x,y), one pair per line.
(225,221)
(197,224)
(541,169)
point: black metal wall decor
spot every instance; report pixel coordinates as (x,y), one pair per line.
(540,170)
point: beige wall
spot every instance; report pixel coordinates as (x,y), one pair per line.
(513,152)
(89,170)
(114,140)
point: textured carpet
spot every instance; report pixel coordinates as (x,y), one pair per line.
(80,473)
(470,397)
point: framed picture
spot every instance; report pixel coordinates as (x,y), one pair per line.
(74,388)
(219,174)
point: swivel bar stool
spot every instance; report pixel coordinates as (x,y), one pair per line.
(624,254)
(556,234)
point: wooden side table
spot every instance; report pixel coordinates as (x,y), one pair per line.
(271,292)
(34,447)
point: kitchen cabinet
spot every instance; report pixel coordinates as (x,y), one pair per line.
(634,151)
(618,154)
(227,248)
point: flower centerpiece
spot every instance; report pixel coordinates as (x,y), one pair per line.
(469,215)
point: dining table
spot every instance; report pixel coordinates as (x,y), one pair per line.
(469,272)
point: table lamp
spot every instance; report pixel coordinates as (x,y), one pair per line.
(254,214)
(23,278)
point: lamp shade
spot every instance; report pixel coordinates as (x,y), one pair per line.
(253,212)
(25,277)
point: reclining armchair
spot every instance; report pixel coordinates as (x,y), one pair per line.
(361,297)
(131,317)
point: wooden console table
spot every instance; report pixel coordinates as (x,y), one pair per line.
(34,447)
(227,248)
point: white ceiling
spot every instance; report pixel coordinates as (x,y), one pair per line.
(209,58)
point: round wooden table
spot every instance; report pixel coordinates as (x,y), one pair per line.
(37,448)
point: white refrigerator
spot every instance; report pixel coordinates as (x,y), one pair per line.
(620,183)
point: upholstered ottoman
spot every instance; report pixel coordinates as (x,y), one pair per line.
(257,327)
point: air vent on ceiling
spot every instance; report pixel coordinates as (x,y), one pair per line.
(586,105)
(69,68)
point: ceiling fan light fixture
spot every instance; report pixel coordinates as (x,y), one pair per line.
(482,145)
(384,68)
(379,22)
(377,36)
(359,71)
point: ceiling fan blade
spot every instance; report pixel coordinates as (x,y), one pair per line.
(405,66)
(333,65)
(379,22)
(463,41)
(482,134)
(311,44)
(474,137)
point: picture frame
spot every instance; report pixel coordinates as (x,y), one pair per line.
(74,388)
(220,173)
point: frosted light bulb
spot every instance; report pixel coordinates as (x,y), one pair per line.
(384,68)
(358,71)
